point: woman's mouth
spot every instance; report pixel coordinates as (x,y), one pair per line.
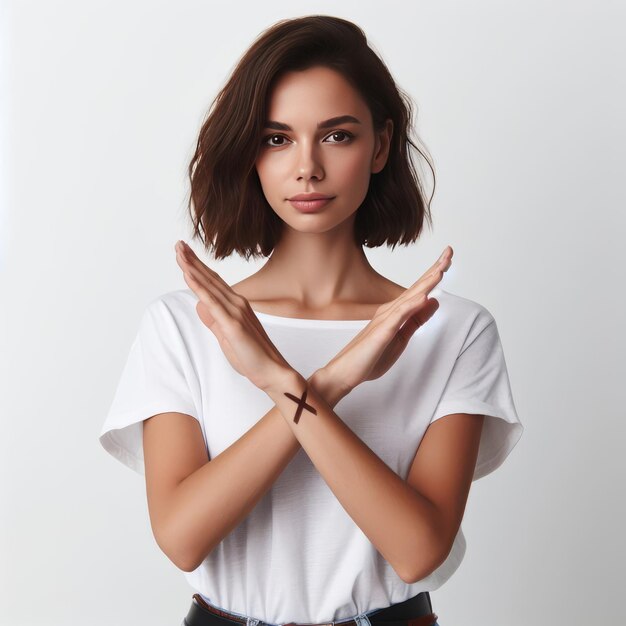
(310,206)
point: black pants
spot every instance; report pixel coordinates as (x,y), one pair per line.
(416,611)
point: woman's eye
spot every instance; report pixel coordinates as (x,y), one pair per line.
(270,137)
(341,133)
(344,137)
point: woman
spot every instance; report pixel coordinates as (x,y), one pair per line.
(278,508)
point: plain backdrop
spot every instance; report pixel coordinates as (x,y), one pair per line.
(521,106)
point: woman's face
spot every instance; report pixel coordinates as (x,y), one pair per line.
(336,159)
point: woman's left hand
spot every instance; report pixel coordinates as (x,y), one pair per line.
(231,319)
(378,346)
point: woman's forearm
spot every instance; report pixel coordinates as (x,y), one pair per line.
(400,522)
(208,504)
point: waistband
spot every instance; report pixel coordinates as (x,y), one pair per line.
(416,611)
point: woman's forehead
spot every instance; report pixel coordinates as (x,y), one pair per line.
(314,96)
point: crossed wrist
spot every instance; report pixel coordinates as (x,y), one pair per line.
(287,379)
(329,386)
(322,380)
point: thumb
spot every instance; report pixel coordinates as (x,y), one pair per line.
(419,318)
(204,314)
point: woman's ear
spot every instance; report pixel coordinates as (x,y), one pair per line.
(381,151)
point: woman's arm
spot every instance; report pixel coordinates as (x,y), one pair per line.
(189,517)
(412,532)
(408,528)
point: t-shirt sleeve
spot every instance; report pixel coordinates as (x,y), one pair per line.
(479,384)
(158,377)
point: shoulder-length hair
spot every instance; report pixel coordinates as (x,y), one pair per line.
(227,205)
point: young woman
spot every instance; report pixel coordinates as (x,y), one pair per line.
(309,435)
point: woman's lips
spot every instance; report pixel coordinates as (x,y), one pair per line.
(310,206)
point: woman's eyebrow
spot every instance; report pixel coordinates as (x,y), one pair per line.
(333,121)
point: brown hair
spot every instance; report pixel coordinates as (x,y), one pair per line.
(227,206)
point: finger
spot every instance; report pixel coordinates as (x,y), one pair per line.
(206,308)
(218,309)
(441,264)
(224,294)
(204,287)
(192,258)
(208,290)
(421,287)
(190,264)
(428,280)
(445,260)
(187,259)
(418,319)
(417,307)
(421,317)
(227,291)
(223,312)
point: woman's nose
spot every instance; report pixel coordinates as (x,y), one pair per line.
(309,163)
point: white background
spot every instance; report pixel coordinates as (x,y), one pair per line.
(521,105)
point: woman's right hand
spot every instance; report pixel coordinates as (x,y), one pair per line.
(230,318)
(378,346)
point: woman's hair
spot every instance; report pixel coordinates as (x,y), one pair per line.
(227,205)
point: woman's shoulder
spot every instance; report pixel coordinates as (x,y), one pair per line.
(176,306)
(461,313)
(177,299)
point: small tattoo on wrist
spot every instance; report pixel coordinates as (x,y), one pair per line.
(301,405)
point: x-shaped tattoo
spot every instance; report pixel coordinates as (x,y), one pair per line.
(301,405)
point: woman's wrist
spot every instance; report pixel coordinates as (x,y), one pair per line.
(322,380)
(328,385)
(287,380)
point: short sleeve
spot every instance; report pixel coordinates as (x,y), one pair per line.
(158,377)
(479,384)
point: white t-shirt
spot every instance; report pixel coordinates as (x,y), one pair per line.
(298,556)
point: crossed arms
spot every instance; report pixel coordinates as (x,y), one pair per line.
(194,503)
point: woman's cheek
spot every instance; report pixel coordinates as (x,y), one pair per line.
(358,172)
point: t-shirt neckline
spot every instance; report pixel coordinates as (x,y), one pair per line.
(301,321)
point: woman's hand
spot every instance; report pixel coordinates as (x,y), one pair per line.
(231,319)
(377,347)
